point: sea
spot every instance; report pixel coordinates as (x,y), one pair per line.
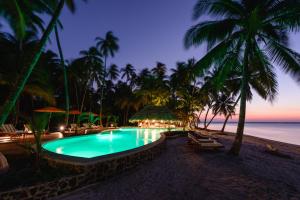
(288,132)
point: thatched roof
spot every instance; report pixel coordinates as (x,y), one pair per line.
(151,112)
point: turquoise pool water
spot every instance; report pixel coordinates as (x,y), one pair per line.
(108,142)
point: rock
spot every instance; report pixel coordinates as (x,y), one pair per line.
(3,164)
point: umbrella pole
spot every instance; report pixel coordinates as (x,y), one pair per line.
(49,121)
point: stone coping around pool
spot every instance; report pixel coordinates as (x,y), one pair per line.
(65,159)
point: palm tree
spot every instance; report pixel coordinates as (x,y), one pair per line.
(19,20)
(91,60)
(257,32)
(107,47)
(160,70)
(126,100)
(128,72)
(22,80)
(224,105)
(113,72)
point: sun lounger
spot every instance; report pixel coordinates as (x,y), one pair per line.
(74,127)
(27,128)
(86,126)
(204,143)
(9,129)
(207,134)
(203,134)
(210,146)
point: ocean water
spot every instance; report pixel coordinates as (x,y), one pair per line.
(283,132)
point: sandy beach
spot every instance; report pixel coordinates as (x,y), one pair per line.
(180,172)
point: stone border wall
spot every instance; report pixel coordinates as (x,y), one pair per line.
(90,172)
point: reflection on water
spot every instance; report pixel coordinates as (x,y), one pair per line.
(59,150)
(146,133)
(283,132)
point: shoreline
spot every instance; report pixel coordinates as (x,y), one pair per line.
(280,132)
(259,141)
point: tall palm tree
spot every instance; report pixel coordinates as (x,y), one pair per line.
(107,47)
(22,80)
(92,62)
(257,31)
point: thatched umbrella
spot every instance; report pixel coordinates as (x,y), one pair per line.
(49,110)
(150,112)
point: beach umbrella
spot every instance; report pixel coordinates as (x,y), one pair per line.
(49,110)
(74,112)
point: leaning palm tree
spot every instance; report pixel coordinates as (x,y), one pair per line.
(257,32)
(223,105)
(22,80)
(107,47)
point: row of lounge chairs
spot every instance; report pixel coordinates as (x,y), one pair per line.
(12,132)
(75,128)
(204,141)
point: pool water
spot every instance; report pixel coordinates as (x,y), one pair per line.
(107,142)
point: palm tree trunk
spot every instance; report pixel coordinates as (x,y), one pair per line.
(11,101)
(62,62)
(199,118)
(225,122)
(126,116)
(83,98)
(102,90)
(236,146)
(210,120)
(76,94)
(17,112)
(205,119)
(227,117)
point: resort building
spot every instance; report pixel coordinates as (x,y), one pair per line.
(155,117)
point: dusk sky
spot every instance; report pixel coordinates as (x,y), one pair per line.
(151,31)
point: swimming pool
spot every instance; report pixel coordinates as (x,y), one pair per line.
(104,143)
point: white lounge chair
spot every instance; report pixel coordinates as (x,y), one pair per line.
(9,129)
(204,143)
